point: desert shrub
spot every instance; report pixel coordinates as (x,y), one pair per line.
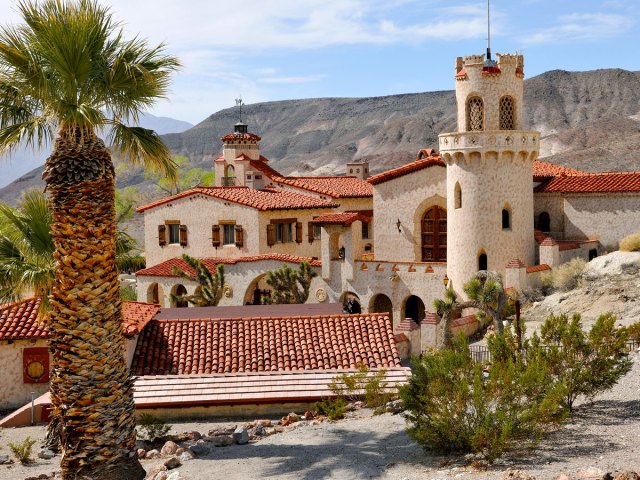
(454,405)
(22,450)
(564,277)
(334,408)
(582,364)
(633,331)
(363,384)
(128,295)
(630,243)
(153,427)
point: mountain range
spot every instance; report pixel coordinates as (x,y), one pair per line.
(588,120)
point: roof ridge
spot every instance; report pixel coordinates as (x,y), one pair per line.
(272,317)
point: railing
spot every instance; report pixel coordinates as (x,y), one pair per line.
(228,181)
(511,139)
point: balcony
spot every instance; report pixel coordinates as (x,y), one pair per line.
(228,181)
(516,140)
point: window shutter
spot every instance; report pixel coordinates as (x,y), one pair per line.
(215,235)
(310,231)
(271,235)
(298,232)
(162,235)
(183,235)
(239,236)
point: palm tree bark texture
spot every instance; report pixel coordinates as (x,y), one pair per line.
(90,384)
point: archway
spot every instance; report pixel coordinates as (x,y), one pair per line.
(382,304)
(179,291)
(153,293)
(414,308)
(258,292)
(434,235)
(544,222)
(350,303)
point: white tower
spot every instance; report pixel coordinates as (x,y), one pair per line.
(489,170)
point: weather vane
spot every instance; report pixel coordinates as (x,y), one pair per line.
(488,31)
(239,104)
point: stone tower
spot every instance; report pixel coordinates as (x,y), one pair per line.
(233,167)
(489,170)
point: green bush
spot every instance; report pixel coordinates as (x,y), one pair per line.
(630,243)
(453,405)
(582,364)
(633,331)
(334,408)
(22,450)
(363,384)
(153,427)
(564,277)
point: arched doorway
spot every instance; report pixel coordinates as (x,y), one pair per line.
(258,292)
(544,222)
(382,304)
(414,308)
(153,294)
(434,235)
(180,291)
(350,303)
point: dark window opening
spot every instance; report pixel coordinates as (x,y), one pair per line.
(483,262)
(544,222)
(506,219)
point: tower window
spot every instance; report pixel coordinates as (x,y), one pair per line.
(475,114)
(544,222)
(483,263)
(507,113)
(458,195)
(506,219)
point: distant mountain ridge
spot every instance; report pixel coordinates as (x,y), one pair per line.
(588,120)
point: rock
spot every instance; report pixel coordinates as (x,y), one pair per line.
(179,437)
(221,431)
(627,475)
(46,454)
(172,462)
(153,454)
(615,263)
(186,456)
(278,429)
(269,431)
(161,476)
(263,423)
(221,440)
(396,406)
(589,473)
(155,470)
(199,449)
(241,435)
(4,460)
(142,444)
(512,474)
(169,448)
(257,431)
(308,415)
(284,422)
(141,452)
(179,451)
(194,436)
(293,417)
(175,476)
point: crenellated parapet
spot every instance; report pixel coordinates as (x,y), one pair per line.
(511,144)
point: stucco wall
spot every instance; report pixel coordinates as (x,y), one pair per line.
(406,199)
(607,218)
(553,204)
(14,392)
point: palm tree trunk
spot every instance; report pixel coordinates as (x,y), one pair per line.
(91,390)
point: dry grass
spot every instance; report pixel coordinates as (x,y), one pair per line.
(564,277)
(631,243)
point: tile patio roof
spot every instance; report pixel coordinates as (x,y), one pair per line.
(340,218)
(165,269)
(543,170)
(276,344)
(433,160)
(19,320)
(608,182)
(266,199)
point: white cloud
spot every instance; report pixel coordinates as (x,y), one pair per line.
(291,80)
(582,27)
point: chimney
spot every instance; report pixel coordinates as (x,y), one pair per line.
(358,169)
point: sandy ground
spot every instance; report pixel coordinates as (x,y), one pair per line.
(605,435)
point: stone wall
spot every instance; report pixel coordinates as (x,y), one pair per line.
(14,392)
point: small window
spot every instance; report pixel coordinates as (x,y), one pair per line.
(475,114)
(174,232)
(458,195)
(317,231)
(229,234)
(365,230)
(483,263)
(506,219)
(507,113)
(544,222)
(593,253)
(284,232)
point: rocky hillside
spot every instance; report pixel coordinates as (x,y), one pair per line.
(589,120)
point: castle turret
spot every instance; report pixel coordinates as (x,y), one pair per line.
(489,170)
(238,149)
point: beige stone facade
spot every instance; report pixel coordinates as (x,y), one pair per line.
(14,392)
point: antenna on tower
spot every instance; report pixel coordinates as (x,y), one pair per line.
(488,31)
(240,103)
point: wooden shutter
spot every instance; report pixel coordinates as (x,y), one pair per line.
(239,236)
(215,235)
(271,234)
(310,231)
(162,235)
(183,235)
(298,232)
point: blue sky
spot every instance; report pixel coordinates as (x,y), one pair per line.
(282,49)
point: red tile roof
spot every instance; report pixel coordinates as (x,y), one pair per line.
(265,199)
(544,170)
(165,269)
(593,183)
(539,236)
(230,137)
(183,347)
(341,218)
(515,263)
(538,268)
(19,320)
(414,166)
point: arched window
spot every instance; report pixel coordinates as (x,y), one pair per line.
(180,292)
(483,263)
(458,195)
(475,114)
(544,222)
(507,113)
(506,219)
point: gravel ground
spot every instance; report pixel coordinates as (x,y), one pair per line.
(605,435)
